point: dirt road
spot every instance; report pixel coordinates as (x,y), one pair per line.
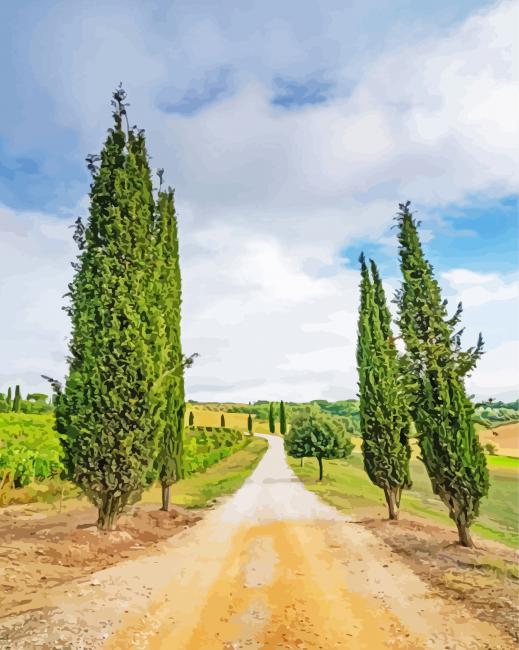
(272,567)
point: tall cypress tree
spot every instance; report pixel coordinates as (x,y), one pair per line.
(17,399)
(222,420)
(450,448)
(384,411)
(272,421)
(249,423)
(9,398)
(168,292)
(191,418)
(108,412)
(282,418)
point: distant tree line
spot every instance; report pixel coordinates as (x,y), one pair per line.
(33,403)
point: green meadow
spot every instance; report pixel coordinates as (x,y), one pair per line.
(346,486)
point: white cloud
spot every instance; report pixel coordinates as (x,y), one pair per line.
(477,289)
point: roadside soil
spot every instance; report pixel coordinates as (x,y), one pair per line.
(271,567)
(40,549)
(485,579)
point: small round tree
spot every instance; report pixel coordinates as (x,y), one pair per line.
(314,433)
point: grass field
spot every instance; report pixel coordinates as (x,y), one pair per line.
(225,477)
(346,486)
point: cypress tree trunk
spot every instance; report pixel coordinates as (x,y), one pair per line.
(320,461)
(392,495)
(464,534)
(108,512)
(165,496)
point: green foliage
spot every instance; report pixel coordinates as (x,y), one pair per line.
(9,396)
(191,418)
(272,420)
(249,423)
(282,419)
(317,434)
(384,410)
(204,446)
(442,412)
(222,420)
(111,413)
(29,448)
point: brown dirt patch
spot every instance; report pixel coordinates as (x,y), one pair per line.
(484,579)
(41,550)
(504,437)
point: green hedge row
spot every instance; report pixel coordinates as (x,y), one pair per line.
(30,449)
(205,446)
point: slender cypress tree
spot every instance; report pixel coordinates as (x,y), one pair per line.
(450,448)
(282,418)
(191,419)
(109,411)
(17,399)
(384,411)
(272,421)
(249,423)
(168,299)
(9,398)
(222,420)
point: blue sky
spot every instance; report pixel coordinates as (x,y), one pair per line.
(290,131)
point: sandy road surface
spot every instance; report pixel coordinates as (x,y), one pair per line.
(273,567)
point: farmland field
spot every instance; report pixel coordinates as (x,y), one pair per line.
(209,416)
(505,437)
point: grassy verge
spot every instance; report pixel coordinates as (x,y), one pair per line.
(225,477)
(347,487)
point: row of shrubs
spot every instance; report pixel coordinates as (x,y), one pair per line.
(30,450)
(205,446)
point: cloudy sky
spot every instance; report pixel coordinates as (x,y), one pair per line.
(290,130)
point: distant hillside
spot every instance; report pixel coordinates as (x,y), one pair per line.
(488,414)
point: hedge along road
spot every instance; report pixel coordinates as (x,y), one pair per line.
(272,567)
